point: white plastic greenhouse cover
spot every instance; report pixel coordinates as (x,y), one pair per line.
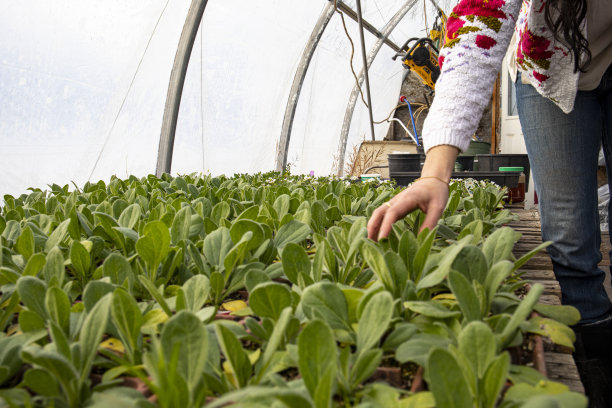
(83,85)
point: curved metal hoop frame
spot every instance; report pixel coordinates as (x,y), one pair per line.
(282,149)
(175,88)
(181,62)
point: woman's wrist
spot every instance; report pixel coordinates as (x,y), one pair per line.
(440,162)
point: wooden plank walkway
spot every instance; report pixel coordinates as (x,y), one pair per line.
(560,365)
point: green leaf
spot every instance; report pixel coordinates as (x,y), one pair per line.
(408,247)
(80,259)
(353,297)
(276,339)
(217,285)
(398,272)
(375,259)
(117,268)
(263,396)
(295,261)
(472,263)
(155,243)
(32,293)
(292,232)
(118,397)
(558,332)
(423,399)
(498,246)
(237,254)
(374,321)
(186,332)
(58,307)
(94,291)
(254,277)
(545,394)
(250,213)
(364,367)
(317,361)
(127,318)
(466,296)
(426,239)
(180,225)
(37,262)
(565,314)
(220,211)
(59,368)
(25,243)
(241,227)
(565,400)
(494,379)
(325,301)
(91,334)
(235,355)
(401,333)
(521,313)
(130,216)
(60,340)
(57,236)
(497,274)
(41,382)
(150,287)
(54,270)
(145,247)
(196,290)
(216,246)
(269,299)
(30,321)
(477,343)
(448,255)
(281,205)
(430,308)
(417,348)
(523,259)
(446,381)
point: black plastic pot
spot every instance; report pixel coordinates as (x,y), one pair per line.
(402,162)
(466,162)
(503,178)
(492,162)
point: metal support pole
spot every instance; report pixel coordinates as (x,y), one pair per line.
(175,88)
(351,13)
(350,108)
(365,67)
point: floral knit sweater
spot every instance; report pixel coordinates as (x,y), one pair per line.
(477,38)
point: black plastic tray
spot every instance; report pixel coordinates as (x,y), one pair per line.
(492,162)
(503,178)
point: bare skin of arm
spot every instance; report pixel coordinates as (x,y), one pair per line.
(428,194)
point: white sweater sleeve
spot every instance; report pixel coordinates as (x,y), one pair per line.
(478,34)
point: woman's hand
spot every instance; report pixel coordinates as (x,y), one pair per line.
(429,193)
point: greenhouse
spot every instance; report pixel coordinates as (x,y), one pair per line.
(216,203)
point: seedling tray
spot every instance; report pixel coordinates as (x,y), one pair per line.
(502,178)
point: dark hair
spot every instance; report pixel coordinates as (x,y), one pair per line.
(564,18)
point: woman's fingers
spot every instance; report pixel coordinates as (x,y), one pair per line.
(428,195)
(432,215)
(396,211)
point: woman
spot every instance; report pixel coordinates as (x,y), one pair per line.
(561,56)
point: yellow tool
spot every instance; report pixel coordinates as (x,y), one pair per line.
(422,59)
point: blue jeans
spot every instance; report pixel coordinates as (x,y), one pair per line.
(563,150)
